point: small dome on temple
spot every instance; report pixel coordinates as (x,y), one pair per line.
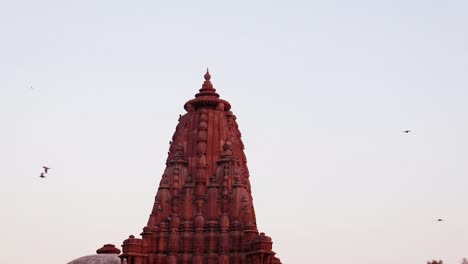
(108,254)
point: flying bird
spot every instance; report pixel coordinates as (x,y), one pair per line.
(46,169)
(406,131)
(439,220)
(42,175)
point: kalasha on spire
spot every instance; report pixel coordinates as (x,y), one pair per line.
(203,210)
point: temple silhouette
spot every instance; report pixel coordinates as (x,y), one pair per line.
(203,210)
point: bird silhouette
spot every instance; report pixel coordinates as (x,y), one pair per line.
(406,131)
(439,220)
(42,175)
(46,169)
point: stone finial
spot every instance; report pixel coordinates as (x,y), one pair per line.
(207,75)
(207,85)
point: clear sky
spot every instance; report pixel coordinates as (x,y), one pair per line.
(322,91)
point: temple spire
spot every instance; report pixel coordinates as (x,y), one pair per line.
(207,97)
(203,211)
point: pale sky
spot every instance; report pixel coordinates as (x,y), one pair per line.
(322,91)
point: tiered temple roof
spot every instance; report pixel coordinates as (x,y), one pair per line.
(203,210)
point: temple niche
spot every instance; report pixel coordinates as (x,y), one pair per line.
(203,210)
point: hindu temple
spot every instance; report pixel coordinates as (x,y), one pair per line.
(203,211)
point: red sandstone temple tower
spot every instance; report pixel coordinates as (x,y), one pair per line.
(203,210)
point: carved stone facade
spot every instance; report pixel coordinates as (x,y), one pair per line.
(203,210)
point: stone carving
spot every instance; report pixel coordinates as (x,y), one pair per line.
(220,106)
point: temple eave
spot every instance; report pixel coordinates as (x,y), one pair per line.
(207,100)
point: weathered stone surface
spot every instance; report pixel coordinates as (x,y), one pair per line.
(203,210)
(108,254)
(97,259)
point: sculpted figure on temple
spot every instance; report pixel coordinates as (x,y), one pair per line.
(227,149)
(202,134)
(220,106)
(202,159)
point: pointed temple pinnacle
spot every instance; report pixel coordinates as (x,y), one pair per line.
(207,85)
(207,75)
(207,97)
